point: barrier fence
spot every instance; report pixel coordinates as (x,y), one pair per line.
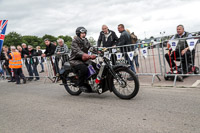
(177,64)
(145,59)
(33,66)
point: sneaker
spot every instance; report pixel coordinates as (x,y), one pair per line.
(24,81)
(42,71)
(11,81)
(30,79)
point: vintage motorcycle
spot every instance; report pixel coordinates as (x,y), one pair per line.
(104,77)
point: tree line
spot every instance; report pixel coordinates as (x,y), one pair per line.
(15,39)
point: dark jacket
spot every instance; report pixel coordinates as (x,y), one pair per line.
(3,57)
(111,40)
(32,55)
(24,52)
(39,53)
(125,39)
(50,49)
(78,48)
(182,44)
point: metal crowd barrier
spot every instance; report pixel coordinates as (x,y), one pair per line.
(180,66)
(145,57)
(150,60)
(51,64)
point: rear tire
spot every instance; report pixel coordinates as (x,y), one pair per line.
(71,87)
(134,80)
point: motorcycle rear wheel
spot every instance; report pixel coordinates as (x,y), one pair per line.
(71,87)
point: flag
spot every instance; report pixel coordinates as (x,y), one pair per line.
(173,44)
(192,43)
(3,25)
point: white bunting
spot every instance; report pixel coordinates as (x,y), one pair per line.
(173,44)
(114,50)
(144,52)
(136,52)
(130,55)
(192,43)
(28,60)
(39,59)
(119,56)
(53,59)
(106,54)
(110,56)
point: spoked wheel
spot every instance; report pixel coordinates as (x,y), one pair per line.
(71,85)
(128,85)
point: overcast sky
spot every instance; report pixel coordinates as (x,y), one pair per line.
(62,17)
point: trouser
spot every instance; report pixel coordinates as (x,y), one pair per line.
(8,70)
(135,58)
(113,59)
(35,71)
(55,66)
(82,71)
(185,59)
(30,71)
(18,74)
(130,63)
(42,66)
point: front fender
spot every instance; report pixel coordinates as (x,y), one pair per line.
(115,67)
(110,77)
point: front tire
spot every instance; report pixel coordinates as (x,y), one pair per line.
(130,87)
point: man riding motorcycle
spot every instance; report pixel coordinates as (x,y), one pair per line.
(79,58)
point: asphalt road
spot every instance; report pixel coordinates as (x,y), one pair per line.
(47,108)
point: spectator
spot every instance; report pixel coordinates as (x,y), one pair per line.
(15,63)
(108,38)
(6,52)
(182,49)
(61,50)
(39,53)
(33,61)
(24,54)
(125,39)
(19,48)
(24,50)
(50,48)
(61,53)
(134,40)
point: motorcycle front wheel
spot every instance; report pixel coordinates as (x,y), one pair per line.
(127,86)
